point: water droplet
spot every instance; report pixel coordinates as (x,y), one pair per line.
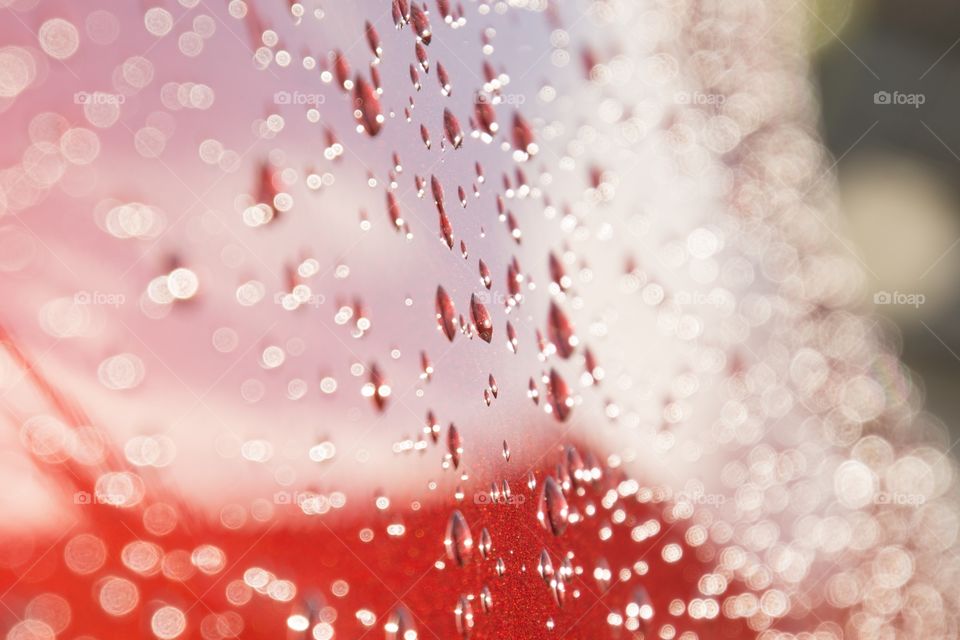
(420,22)
(458,541)
(560,331)
(451,127)
(464,616)
(368,112)
(432,427)
(552,509)
(511,338)
(486,599)
(400,625)
(377,388)
(422,57)
(401,13)
(560,400)
(373,39)
(506,451)
(446,314)
(444,80)
(481,320)
(523,137)
(486,543)
(341,71)
(454,445)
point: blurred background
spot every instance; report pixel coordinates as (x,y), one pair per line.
(888,76)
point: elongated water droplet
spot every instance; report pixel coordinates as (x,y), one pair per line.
(446,314)
(451,127)
(415,79)
(400,625)
(458,541)
(373,39)
(602,574)
(377,388)
(545,566)
(560,331)
(393,210)
(486,599)
(593,371)
(486,117)
(341,71)
(575,467)
(506,451)
(523,137)
(438,196)
(367,111)
(420,23)
(401,13)
(486,543)
(432,427)
(454,445)
(422,57)
(444,80)
(511,337)
(485,278)
(552,509)
(446,229)
(514,227)
(481,319)
(501,567)
(533,392)
(426,367)
(560,400)
(464,616)
(443,6)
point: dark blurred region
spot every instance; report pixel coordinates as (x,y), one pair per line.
(889,74)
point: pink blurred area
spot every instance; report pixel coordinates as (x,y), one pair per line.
(76,289)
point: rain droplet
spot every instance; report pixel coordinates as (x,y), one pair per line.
(481,320)
(486,599)
(552,509)
(446,314)
(486,543)
(560,400)
(400,625)
(368,112)
(464,615)
(458,541)
(454,445)
(451,127)
(560,331)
